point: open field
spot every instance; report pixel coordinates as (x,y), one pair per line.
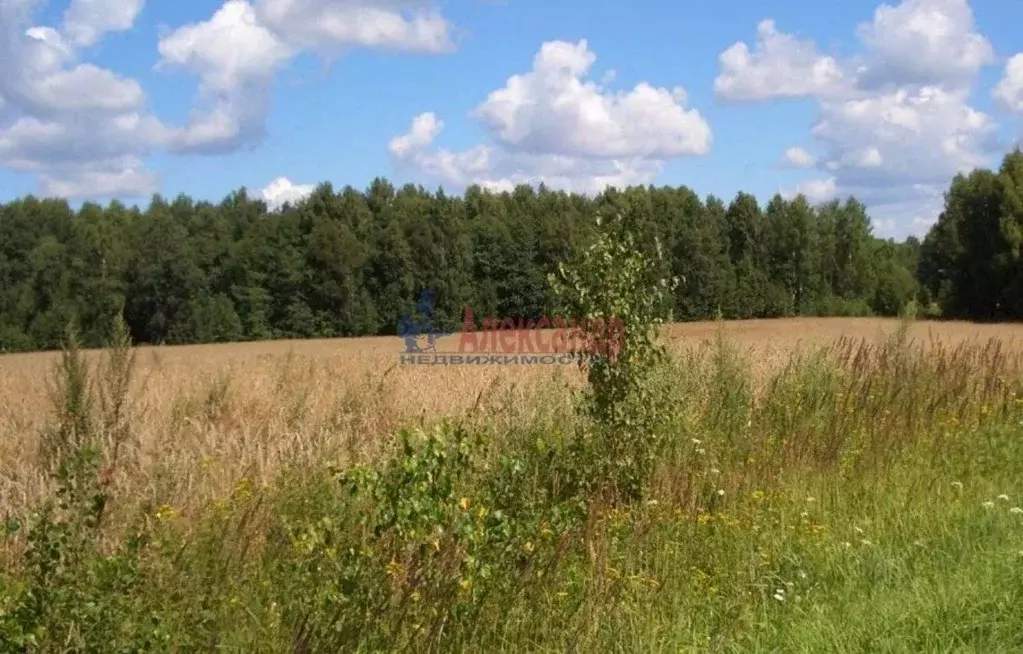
(213,414)
(866,501)
(218,413)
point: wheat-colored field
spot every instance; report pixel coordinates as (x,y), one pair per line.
(207,416)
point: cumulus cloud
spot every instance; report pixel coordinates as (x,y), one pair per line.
(282,190)
(106,178)
(780,65)
(553,109)
(553,125)
(80,128)
(86,21)
(797,157)
(237,52)
(425,128)
(327,25)
(923,42)
(816,190)
(86,87)
(926,135)
(892,119)
(498,169)
(85,130)
(1009,90)
(927,42)
(235,58)
(227,50)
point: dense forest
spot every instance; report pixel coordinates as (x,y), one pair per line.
(972,259)
(350,262)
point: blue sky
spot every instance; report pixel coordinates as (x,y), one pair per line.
(123,98)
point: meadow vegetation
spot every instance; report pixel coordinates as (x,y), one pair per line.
(861,494)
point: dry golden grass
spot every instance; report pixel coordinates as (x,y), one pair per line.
(209,416)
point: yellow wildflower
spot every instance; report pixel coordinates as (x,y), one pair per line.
(243,488)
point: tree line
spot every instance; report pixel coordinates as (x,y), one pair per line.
(971,262)
(353,262)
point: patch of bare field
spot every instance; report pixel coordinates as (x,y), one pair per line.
(211,415)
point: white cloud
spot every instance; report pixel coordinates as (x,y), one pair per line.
(109,178)
(282,190)
(797,157)
(923,42)
(500,170)
(235,58)
(927,42)
(77,126)
(780,65)
(84,131)
(86,21)
(226,51)
(817,190)
(923,136)
(32,144)
(892,119)
(552,109)
(425,128)
(86,87)
(554,126)
(327,25)
(237,52)
(1009,90)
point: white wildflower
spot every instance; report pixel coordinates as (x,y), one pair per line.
(988,505)
(721,492)
(958,485)
(1016,510)
(715,471)
(779,594)
(1003,497)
